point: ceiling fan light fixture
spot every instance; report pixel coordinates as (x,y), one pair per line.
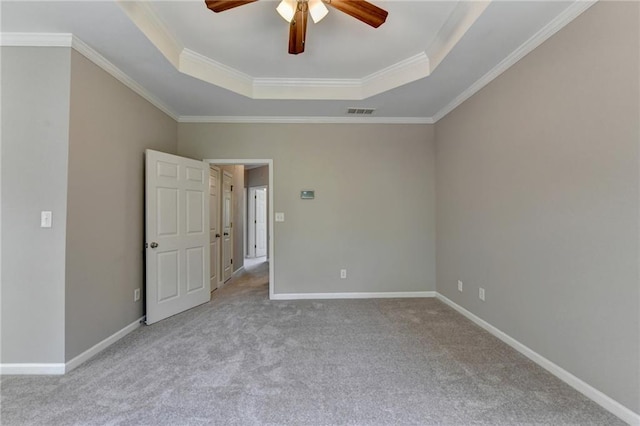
(296,13)
(317,10)
(287,9)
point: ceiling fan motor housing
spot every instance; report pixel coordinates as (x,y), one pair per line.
(297,12)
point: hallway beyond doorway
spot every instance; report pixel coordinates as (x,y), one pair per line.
(252,262)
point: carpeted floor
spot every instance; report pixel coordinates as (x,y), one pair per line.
(244,360)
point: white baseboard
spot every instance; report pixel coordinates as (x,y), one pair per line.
(366,295)
(31,368)
(587,390)
(100,346)
(222,284)
(60,368)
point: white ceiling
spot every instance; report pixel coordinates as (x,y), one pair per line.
(427,58)
(254,38)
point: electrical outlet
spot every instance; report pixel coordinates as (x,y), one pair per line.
(459,285)
(136,294)
(343,274)
(481,293)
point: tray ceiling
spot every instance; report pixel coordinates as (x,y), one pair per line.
(234,66)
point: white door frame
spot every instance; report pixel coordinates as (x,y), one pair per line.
(271,230)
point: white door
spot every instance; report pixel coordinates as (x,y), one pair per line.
(177,234)
(251,226)
(214,226)
(227,227)
(261,222)
(257,229)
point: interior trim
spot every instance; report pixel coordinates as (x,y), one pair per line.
(69,40)
(32,369)
(359,295)
(95,57)
(584,388)
(589,391)
(569,14)
(100,346)
(271,233)
(306,120)
(202,67)
(61,368)
(238,271)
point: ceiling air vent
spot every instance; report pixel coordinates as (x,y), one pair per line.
(360,111)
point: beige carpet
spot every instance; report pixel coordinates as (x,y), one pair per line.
(244,360)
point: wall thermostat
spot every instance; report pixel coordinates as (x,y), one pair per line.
(307,195)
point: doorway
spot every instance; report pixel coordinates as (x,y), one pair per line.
(227,226)
(270,231)
(214,226)
(257,222)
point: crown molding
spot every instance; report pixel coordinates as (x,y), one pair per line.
(89,53)
(461,19)
(36,39)
(206,69)
(211,71)
(578,384)
(147,20)
(406,71)
(569,14)
(71,41)
(306,88)
(304,120)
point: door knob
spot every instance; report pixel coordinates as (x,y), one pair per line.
(217,235)
(226,234)
(154,245)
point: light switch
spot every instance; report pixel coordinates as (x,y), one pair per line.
(279,217)
(45,219)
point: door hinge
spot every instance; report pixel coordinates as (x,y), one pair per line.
(255,246)
(232,261)
(255,221)
(231,188)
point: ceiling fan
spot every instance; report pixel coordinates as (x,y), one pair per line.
(296,12)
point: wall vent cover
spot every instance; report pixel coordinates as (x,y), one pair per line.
(360,111)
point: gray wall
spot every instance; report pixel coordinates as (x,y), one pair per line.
(73,143)
(538,200)
(110,128)
(374,207)
(35,117)
(257,177)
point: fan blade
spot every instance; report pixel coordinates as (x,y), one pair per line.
(298,31)
(222,5)
(362,10)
